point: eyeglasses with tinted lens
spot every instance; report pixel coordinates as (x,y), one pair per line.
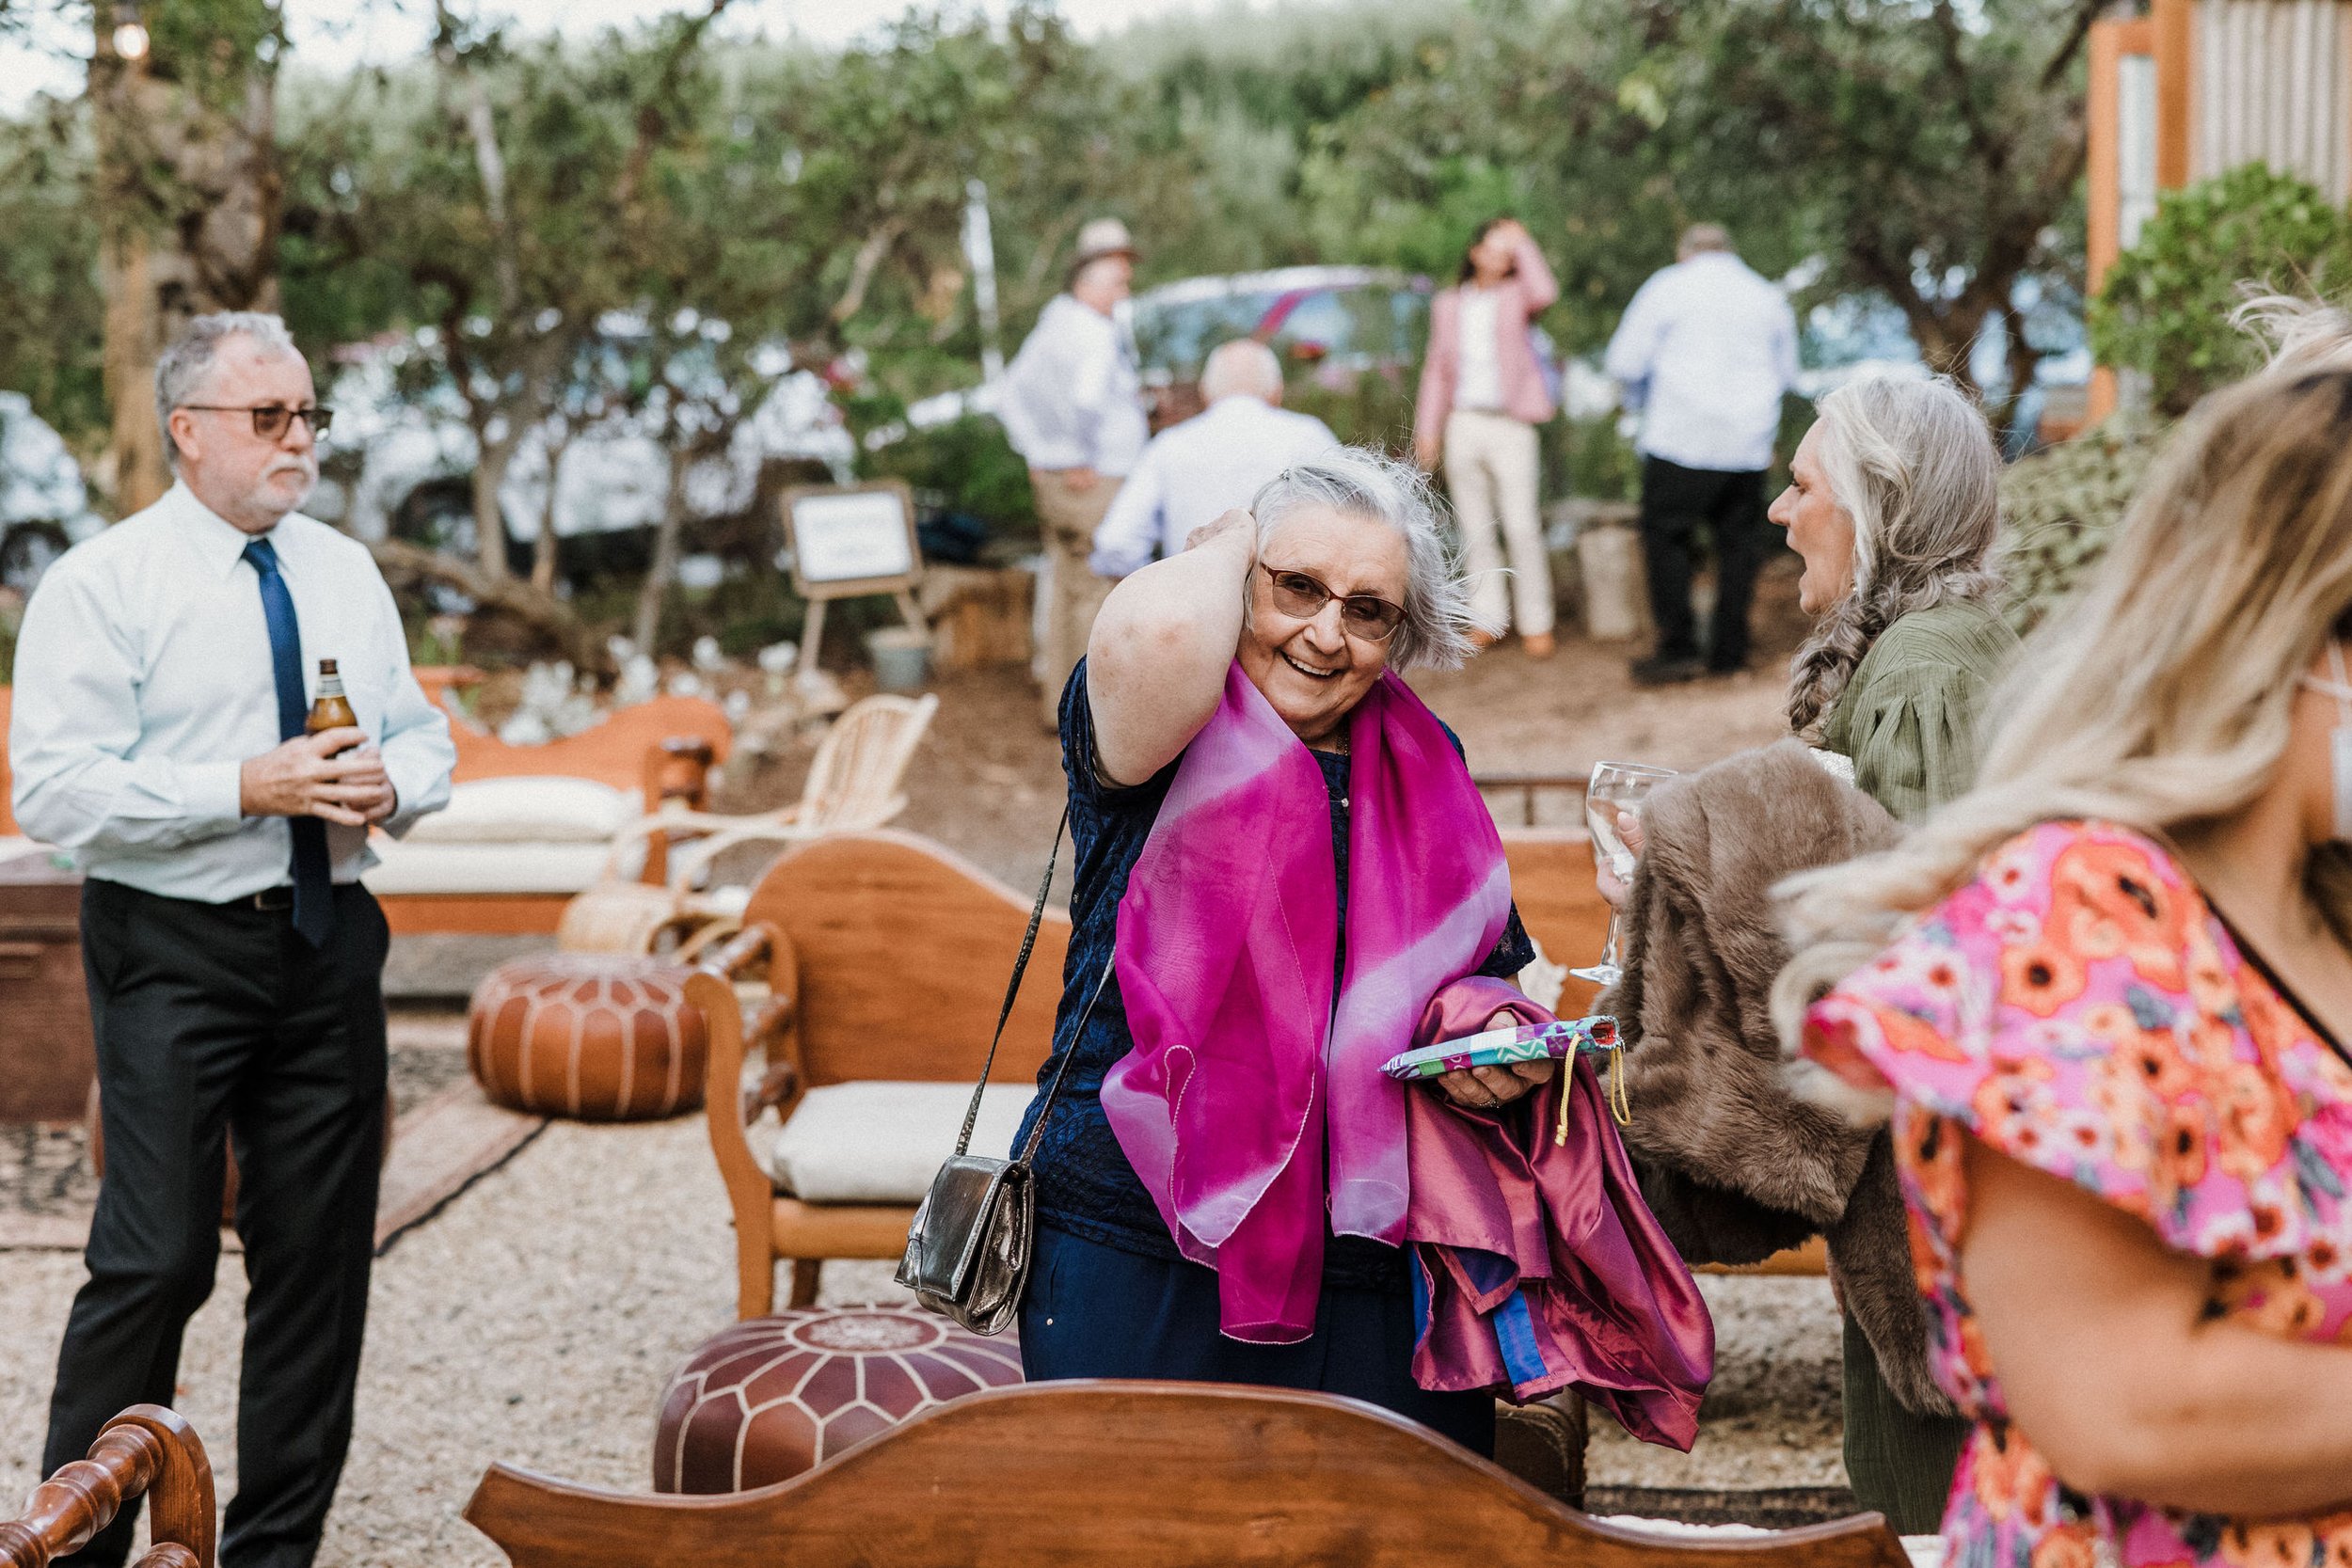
(1363,616)
(271,419)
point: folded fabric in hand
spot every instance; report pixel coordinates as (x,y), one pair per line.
(1525,1042)
(1536,1265)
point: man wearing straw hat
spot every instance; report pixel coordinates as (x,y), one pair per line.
(1071,403)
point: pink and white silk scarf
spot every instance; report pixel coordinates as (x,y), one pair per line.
(1252,1106)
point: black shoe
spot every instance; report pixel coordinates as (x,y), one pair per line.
(1662,671)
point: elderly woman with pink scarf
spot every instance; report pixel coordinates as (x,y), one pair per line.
(1284,877)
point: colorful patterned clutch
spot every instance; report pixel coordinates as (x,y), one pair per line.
(1528,1042)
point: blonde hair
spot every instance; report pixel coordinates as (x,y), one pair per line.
(2162,697)
(2302,336)
(1913,463)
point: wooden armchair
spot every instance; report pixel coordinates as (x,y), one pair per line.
(885,956)
(1147,1474)
(147,1450)
(853,784)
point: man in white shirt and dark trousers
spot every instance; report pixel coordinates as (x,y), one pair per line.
(234,960)
(1705,354)
(1195,472)
(1071,405)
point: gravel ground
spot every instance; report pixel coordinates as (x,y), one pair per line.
(536,1319)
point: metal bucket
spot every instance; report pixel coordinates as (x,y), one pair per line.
(902,658)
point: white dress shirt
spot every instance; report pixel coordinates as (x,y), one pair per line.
(144,681)
(1705,353)
(1072,398)
(1479,386)
(1195,472)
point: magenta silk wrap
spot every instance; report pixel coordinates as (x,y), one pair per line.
(1537,1265)
(1252,1107)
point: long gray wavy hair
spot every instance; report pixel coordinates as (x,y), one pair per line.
(1913,463)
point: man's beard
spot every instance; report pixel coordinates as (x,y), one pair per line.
(265,492)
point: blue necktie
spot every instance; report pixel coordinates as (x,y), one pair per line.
(314,881)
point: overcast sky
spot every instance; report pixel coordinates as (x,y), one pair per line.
(332,35)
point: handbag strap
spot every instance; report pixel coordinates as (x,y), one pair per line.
(1037,1128)
(1012,990)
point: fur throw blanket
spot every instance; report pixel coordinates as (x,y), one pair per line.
(1733,1165)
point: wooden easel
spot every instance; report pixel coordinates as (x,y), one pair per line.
(822,591)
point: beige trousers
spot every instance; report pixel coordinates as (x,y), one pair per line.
(1490,469)
(1071,593)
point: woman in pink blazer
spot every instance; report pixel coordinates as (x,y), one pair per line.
(1482,396)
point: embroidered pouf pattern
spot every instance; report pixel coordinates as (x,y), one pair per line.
(775,1396)
(599,1036)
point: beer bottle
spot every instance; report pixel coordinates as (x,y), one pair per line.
(330,709)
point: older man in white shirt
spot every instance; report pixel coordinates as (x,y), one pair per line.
(234,962)
(1071,405)
(1195,472)
(1705,354)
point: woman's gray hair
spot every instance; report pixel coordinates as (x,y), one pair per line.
(1436,633)
(180,369)
(1913,463)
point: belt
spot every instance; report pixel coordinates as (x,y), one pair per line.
(269,898)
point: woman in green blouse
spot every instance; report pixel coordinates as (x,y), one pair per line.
(1893,502)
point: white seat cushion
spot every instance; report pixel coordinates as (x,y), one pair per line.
(540,809)
(883,1140)
(410,868)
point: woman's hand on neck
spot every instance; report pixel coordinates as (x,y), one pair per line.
(1161,646)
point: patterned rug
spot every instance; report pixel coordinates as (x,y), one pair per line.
(444,1136)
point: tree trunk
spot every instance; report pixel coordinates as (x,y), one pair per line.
(489,522)
(657,577)
(189,184)
(543,554)
(403,564)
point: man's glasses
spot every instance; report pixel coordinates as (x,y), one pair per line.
(271,419)
(1295,593)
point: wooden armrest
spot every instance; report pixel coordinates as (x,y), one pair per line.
(690,862)
(717,929)
(145,1452)
(745,948)
(782,1081)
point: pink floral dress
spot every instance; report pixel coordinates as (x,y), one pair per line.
(2080,1008)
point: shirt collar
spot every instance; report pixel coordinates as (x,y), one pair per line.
(217,542)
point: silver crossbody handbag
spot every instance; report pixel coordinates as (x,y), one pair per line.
(968,1251)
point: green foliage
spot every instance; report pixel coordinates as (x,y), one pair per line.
(2164,307)
(964,466)
(52,330)
(2060,507)
(1588,457)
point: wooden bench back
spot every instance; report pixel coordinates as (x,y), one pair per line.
(145,1452)
(1551,882)
(898,950)
(1146,1475)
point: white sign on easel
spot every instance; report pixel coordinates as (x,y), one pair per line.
(850,541)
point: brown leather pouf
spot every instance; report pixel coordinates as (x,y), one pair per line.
(596,1036)
(775,1396)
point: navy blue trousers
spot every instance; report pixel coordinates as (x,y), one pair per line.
(1095,1311)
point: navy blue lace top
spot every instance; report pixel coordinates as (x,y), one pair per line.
(1085,1185)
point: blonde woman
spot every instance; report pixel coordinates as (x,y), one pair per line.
(2104,998)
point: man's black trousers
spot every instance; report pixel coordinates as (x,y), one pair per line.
(213,1022)
(1675,503)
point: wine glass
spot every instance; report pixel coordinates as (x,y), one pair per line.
(1615,786)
